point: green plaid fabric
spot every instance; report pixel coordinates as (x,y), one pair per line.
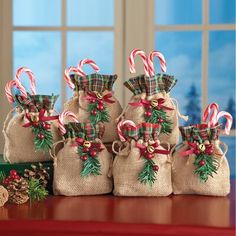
(35,103)
(151,85)
(200,132)
(86,130)
(149,131)
(94,82)
(130,132)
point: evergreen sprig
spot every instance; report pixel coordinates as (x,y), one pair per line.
(147,175)
(36,190)
(101,116)
(160,114)
(44,144)
(210,166)
(2,176)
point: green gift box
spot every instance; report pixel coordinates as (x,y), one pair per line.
(6,167)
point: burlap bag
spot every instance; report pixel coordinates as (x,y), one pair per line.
(78,104)
(19,140)
(69,164)
(153,93)
(185,181)
(129,164)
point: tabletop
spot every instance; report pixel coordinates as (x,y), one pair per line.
(109,215)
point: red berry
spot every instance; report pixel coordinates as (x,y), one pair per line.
(17,177)
(36,124)
(79,140)
(160,120)
(149,156)
(13,172)
(94,112)
(209,151)
(84,158)
(155,167)
(93,153)
(41,136)
(93,100)
(148,113)
(158,107)
(202,163)
(86,149)
(5,181)
(48,126)
(100,107)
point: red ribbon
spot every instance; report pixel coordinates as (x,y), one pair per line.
(92,96)
(144,150)
(42,118)
(146,103)
(194,149)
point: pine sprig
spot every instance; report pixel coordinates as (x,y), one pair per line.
(101,116)
(91,166)
(160,114)
(206,165)
(147,175)
(44,143)
(2,176)
(36,190)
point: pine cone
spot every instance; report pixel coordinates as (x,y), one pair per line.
(38,172)
(18,190)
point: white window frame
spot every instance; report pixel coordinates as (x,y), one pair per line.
(205,28)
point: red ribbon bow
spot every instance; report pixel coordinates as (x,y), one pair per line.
(92,97)
(197,149)
(41,117)
(146,103)
(149,151)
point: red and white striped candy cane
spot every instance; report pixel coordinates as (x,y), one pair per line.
(229,120)
(8,89)
(31,76)
(61,120)
(67,75)
(143,55)
(151,64)
(214,108)
(89,62)
(119,128)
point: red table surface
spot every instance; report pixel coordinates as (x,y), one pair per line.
(108,215)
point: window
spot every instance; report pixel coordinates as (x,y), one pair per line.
(198,41)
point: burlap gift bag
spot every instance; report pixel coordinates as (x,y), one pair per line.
(82,166)
(141,166)
(29,129)
(200,165)
(93,100)
(151,102)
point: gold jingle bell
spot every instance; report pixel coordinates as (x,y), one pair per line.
(150,149)
(87,144)
(99,95)
(154,103)
(202,147)
(34,118)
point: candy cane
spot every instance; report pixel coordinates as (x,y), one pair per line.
(31,76)
(229,120)
(214,107)
(161,59)
(119,127)
(144,59)
(61,120)
(89,62)
(67,75)
(8,89)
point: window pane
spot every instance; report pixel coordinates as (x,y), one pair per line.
(90,12)
(230,141)
(221,87)
(222,11)
(36,13)
(182,51)
(98,46)
(172,12)
(41,52)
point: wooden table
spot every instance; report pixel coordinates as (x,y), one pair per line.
(108,215)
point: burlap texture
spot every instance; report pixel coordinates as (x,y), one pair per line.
(128,164)
(19,141)
(67,167)
(136,114)
(186,182)
(78,104)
